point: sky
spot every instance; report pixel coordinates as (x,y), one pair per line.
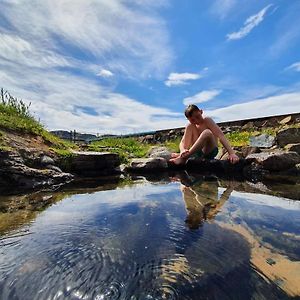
(127,66)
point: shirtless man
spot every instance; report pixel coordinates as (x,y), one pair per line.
(200,138)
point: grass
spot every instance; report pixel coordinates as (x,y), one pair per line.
(242,138)
(15,116)
(126,147)
(173,145)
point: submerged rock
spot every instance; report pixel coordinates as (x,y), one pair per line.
(275,160)
(262,141)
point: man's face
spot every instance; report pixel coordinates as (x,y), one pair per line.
(196,117)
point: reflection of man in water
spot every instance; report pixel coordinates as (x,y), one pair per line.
(201,201)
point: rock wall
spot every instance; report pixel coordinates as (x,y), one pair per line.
(259,123)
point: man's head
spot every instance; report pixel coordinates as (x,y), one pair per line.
(194,114)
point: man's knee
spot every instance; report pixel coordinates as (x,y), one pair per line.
(207,133)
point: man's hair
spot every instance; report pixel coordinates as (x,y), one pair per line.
(190,110)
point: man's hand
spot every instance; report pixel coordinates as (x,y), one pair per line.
(233,158)
(185,154)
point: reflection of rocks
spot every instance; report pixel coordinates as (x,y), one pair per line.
(283,272)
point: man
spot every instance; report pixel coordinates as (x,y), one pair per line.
(200,138)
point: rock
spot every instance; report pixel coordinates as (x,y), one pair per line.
(148,164)
(293,148)
(248,125)
(285,120)
(54,168)
(275,160)
(17,177)
(262,141)
(215,165)
(46,161)
(249,150)
(288,136)
(148,138)
(157,151)
(91,164)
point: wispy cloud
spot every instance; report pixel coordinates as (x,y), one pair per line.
(249,25)
(120,36)
(48,47)
(201,97)
(285,103)
(181,78)
(295,67)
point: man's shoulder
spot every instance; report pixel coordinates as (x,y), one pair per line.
(189,125)
(207,118)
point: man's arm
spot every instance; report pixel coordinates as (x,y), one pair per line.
(216,130)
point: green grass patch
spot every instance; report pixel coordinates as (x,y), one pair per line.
(15,116)
(242,138)
(126,147)
(173,145)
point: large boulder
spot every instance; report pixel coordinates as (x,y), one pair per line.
(16,176)
(288,136)
(92,164)
(262,141)
(147,164)
(275,160)
(157,151)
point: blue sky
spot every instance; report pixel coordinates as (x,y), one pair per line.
(122,66)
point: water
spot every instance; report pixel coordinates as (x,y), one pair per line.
(204,239)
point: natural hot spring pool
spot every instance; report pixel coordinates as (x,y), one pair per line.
(210,239)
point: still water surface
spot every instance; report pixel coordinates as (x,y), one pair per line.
(164,240)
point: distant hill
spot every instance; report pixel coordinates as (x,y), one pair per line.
(74,136)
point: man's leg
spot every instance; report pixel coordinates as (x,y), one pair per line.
(205,142)
(189,137)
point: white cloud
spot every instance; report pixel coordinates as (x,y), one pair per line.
(295,67)
(56,94)
(249,25)
(44,42)
(105,73)
(181,78)
(201,97)
(286,103)
(121,36)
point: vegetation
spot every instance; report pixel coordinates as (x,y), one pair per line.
(15,116)
(125,147)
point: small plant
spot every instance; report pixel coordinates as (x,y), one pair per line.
(15,116)
(125,147)
(10,104)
